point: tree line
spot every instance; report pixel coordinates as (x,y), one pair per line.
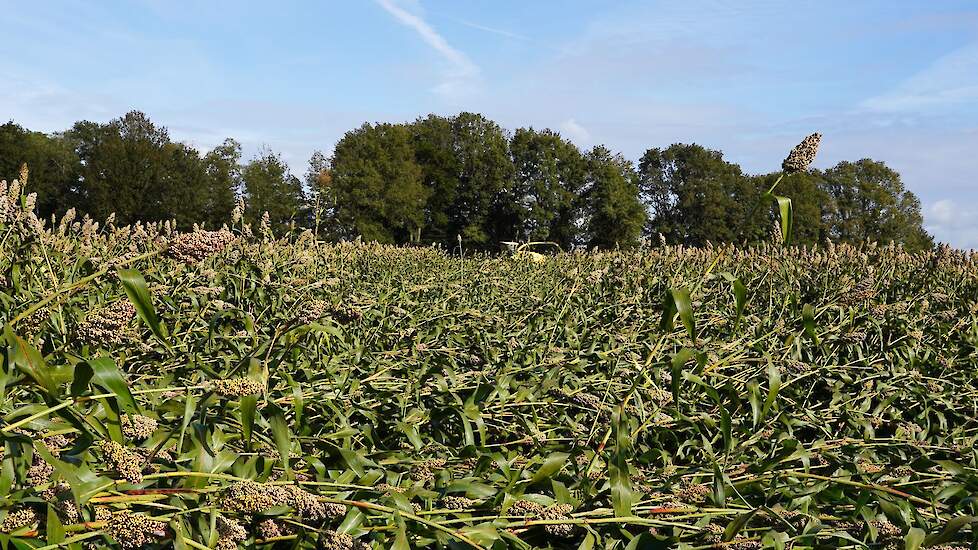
(439,179)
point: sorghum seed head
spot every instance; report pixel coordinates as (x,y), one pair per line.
(126,462)
(693,492)
(312,311)
(452,502)
(133,530)
(526,508)
(387,488)
(557,512)
(21,517)
(56,443)
(334,510)
(887,529)
(251,497)
(230,534)
(137,426)
(331,540)
(237,387)
(40,471)
(802,156)
(106,326)
(191,248)
(268,529)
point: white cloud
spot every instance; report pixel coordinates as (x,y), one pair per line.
(464,75)
(951,80)
(493,30)
(953,223)
(575,131)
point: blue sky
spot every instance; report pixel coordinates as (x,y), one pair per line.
(894,80)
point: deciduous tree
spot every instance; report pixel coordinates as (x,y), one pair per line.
(270,187)
(549,174)
(615,213)
(375,184)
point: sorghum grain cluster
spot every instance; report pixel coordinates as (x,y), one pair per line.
(128,463)
(132,530)
(237,387)
(137,426)
(191,248)
(802,156)
(106,326)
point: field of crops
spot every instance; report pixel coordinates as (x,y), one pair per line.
(228,389)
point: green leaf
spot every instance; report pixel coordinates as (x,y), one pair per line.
(81,489)
(950,529)
(774,385)
(411,431)
(55,530)
(787,218)
(668,313)
(554,463)
(113,419)
(247,406)
(138,294)
(808,319)
(29,361)
(621,488)
(81,377)
(400,540)
(298,403)
(587,543)
(681,299)
(106,374)
(740,300)
(354,518)
(677,363)
(472,489)
(737,525)
(281,434)
(914,538)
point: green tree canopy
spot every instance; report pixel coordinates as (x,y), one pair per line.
(809,201)
(870,203)
(695,196)
(615,213)
(54,166)
(375,184)
(439,177)
(467,168)
(131,167)
(549,174)
(223,168)
(270,187)
(434,151)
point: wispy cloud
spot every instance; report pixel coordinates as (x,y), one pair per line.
(575,131)
(950,81)
(493,30)
(949,221)
(463,76)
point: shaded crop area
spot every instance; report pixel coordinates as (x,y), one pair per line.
(222,390)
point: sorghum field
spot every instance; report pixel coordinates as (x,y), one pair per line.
(228,389)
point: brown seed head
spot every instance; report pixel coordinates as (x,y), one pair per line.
(191,248)
(331,540)
(802,156)
(133,530)
(557,512)
(126,462)
(237,387)
(21,517)
(453,502)
(137,426)
(106,327)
